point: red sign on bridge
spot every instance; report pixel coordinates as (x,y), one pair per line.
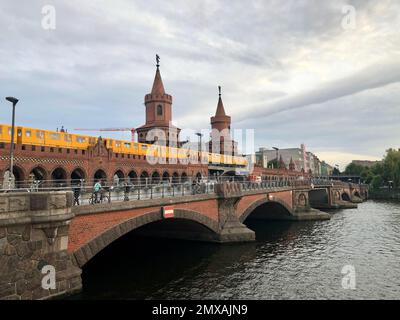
(168,211)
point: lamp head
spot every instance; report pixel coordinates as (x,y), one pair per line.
(12,100)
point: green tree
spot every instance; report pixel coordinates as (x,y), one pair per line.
(354,169)
(376,182)
(391,167)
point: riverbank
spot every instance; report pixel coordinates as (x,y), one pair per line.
(393,194)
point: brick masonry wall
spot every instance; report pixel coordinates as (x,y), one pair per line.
(86,227)
(89,162)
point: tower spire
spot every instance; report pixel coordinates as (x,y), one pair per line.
(157,61)
(158,86)
(220,107)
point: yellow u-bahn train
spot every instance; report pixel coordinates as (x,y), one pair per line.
(48,138)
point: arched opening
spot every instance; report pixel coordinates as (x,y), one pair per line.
(144,178)
(132,177)
(267,210)
(318,198)
(119,174)
(165,176)
(100,175)
(175,178)
(38,174)
(345,197)
(198,177)
(77,175)
(19,176)
(184,177)
(357,194)
(139,261)
(59,177)
(118,178)
(155,178)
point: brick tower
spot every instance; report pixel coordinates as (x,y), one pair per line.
(158,114)
(221,131)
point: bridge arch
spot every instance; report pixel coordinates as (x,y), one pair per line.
(77,174)
(132,177)
(19,175)
(175,178)
(120,174)
(59,175)
(95,245)
(267,209)
(155,177)
(100,174)
(345,196)
(165,176)
(39,173)
(144,178)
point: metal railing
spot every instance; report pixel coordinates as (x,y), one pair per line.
(129,190)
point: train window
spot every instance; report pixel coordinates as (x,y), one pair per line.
(80,139)
(117,144)
(9,131)
(39,134)
(42,149)
(19,133)
(83,152)
(55,136)
(2,145)
(68,150)
(28,133)
(23,147)
(127,145)
(122,156)
(59,150)
(144,147)
(51,149)
(67,138)
(76,151)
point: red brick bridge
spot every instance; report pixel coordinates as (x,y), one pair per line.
(39,229)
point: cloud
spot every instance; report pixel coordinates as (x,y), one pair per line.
(278,62)
(375,76)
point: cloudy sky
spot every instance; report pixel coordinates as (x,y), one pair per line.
(294,71)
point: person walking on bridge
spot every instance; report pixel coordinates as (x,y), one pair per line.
(96,190)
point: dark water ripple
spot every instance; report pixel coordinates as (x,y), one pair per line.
(301,260)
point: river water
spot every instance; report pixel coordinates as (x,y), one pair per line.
(289,260)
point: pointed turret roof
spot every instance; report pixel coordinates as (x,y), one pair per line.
(158,86)
(220,106)
(291,164)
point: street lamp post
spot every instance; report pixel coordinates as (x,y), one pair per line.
(200,135)
(14,101)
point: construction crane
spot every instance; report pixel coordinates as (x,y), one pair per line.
(132,130)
